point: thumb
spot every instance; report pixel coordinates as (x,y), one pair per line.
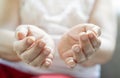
(21,32)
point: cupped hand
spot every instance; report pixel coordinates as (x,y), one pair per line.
(79,44)
(34,46)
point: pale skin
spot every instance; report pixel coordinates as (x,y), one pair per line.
(82,44)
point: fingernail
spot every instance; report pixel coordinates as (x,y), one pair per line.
(30,41)
(71,63)
(77,49)
(20,35)
(48,62)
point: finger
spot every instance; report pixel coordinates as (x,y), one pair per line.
(75,30)
(70,62)
(21,32)
(86,45)
(48,61)
(41,58)
(21,45)
(94,40)
(78,54)
(68,58)
(30,54)
(97,31)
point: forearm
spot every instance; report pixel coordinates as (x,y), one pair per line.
(6,38)
(9,19)
(9,14)
(6,45)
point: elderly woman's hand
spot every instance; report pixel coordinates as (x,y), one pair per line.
(79,44)
(34,46)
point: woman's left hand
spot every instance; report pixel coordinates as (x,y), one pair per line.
(79,44)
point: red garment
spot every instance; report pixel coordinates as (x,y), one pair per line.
(8,72)
(53,76)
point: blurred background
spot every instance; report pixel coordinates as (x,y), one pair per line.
(112,68)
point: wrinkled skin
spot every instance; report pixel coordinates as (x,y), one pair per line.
(76,46)
(34,46)
(79,44)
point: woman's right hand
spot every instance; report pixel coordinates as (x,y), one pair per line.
(34,46)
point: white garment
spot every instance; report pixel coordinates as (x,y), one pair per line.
(56,17)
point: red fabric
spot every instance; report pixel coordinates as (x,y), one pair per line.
(53,76)
(8,72)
